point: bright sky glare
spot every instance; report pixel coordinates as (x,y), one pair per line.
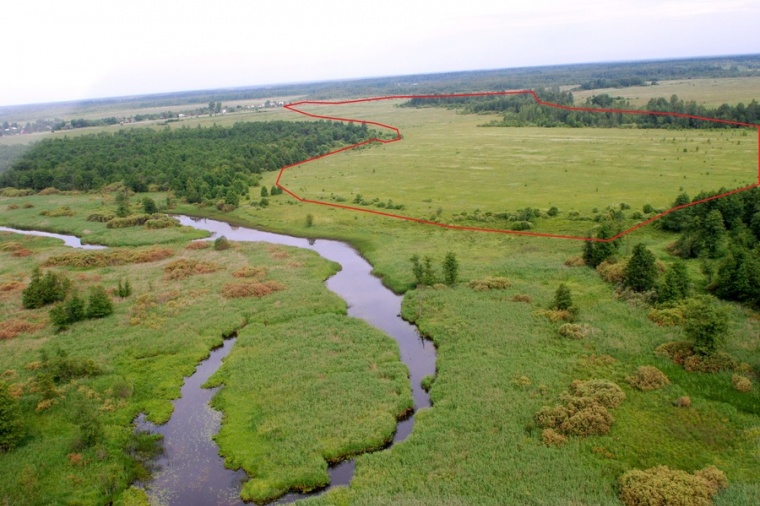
(66,50)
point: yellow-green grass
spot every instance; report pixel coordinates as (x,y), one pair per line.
(446,161)
(154,338)
(709,92)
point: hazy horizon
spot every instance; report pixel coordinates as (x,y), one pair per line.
(81,50)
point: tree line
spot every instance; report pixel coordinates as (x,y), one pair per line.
(197,163)
(522,110)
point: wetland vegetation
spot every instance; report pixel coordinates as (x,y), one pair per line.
(556,382)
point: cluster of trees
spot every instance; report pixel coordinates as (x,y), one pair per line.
(424,272)
(725,234)
(623,82)
(200,164)
(522,110)
(52,288)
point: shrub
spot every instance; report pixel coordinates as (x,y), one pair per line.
(553,211)
(662,486)
(677,351)
(555,315)
(309,220)
(612,272)
(520,226)
(250,289)
(683,402)
(450,269)
(710,364)
(87,259)
(149,205)
(606,393)
(551,437)
(647,378)
(547,417)
(250,272)
(101,217)
(184,267)
(70,311)
(574,330)
(99,304)
(11,207)
(741,383)
(161,222)
(706,325)
(12,428)
(521,297)
(58,212)
(221,243)
(49,191)
(594,420)
(489,283)
(124,290)
(667,317)
(196,245)
(134,220)
(574,262)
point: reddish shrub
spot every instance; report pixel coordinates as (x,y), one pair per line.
(13,327)
(184,267)
(195,245)
(250,272)
(551,437)
(662,486)
(250,289)
(741,383)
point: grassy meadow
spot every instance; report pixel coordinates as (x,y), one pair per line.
(447,162)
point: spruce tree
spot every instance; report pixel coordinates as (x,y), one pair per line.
(641,272)
(149,206)
(562,298)
(99,304)
(713,232)
(264,192)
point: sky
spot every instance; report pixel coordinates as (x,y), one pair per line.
(59,50)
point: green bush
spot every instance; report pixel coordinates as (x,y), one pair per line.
(68,312)
(706,325)
(221,243)
(12,429)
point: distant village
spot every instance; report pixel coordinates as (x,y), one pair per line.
(52,125)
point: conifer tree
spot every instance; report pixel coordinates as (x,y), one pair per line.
(641,272)
(99,304)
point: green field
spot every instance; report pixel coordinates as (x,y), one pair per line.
(710,92)
(447,161)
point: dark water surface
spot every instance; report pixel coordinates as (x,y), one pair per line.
(190,471)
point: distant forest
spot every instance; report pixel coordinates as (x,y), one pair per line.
(522,110)
(196,163)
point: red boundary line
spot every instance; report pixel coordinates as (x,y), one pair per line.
(292,107)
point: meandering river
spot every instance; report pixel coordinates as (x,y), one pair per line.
(190,470)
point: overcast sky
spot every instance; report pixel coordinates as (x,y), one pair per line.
(54,50)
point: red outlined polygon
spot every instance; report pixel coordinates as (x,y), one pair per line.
(293,107)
